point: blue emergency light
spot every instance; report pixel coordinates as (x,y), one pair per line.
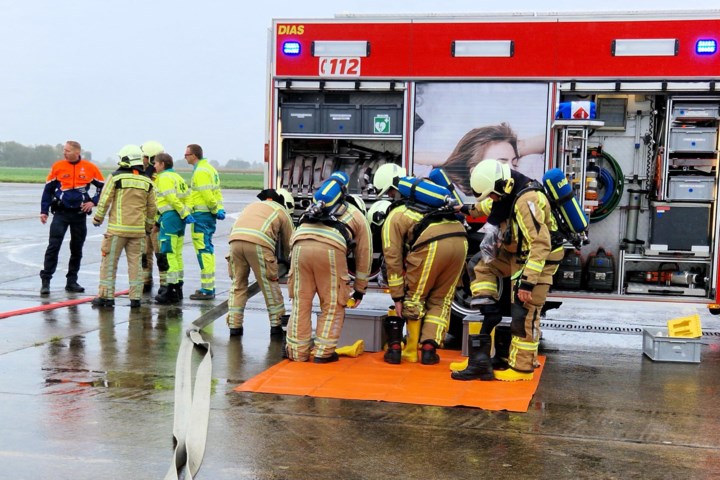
(706,46)
(291,48)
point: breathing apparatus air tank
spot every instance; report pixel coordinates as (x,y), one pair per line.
(424,191)
(437,175)
(561,193)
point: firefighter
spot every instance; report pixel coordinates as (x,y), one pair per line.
(424,258)
(329,230)
(67,196)
(521,242)
(259,236)
(207,204)
(172,196)
(152,248)
(129,200)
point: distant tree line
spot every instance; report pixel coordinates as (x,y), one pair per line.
(13,154)
(238,164)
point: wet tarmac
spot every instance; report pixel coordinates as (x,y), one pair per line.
(88,394)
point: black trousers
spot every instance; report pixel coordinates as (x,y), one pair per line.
(61,221)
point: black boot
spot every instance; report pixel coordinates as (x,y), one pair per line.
(502,347)
(169,296)
(45,288)
(162,289)
(393,329)
(178,289)
(479,364)
(428,355)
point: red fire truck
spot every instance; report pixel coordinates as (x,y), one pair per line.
(626,104)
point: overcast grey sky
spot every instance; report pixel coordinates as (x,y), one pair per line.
(111,72)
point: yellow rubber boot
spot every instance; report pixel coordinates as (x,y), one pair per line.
(511,375)
(354,350)
(458,366)
(410,352)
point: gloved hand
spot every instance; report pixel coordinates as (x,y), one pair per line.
(354,301)
(189,219)
(220,214)
(490,243)
(96,223)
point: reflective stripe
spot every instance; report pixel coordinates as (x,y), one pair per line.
(255,233)
(427,266)
(327,233)
(477,286)
(536,266)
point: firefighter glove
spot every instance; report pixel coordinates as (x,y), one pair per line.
(189,219)
(220,214)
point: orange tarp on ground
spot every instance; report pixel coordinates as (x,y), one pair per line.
(368,377)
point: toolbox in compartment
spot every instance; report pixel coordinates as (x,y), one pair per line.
(300,118)
(680,226)
(340,119)
(694,111)
(693,139)
(382,119)
(690,187)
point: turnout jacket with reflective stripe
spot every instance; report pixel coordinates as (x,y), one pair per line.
(398,235)
(360,229)
(205,193)
(129,201)
(264,223)
(530,224)
(172,193)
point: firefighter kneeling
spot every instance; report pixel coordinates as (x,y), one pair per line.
(521,242)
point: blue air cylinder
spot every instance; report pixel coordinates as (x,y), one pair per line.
(437,175)
(423,191)
(561,194)
(330,192)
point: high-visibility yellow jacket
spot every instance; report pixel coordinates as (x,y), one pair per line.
(360,231)
(129,198)
(172,193)
(264,223)
(205,193)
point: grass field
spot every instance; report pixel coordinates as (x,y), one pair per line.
(228,179)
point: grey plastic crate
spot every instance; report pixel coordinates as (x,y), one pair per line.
(691,188)
(300,118)
(340,119)
(661,348)
(366,325)
(382,119)
(503,326)
(694,111)
(693,139)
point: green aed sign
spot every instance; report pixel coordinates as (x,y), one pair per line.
(381,124)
